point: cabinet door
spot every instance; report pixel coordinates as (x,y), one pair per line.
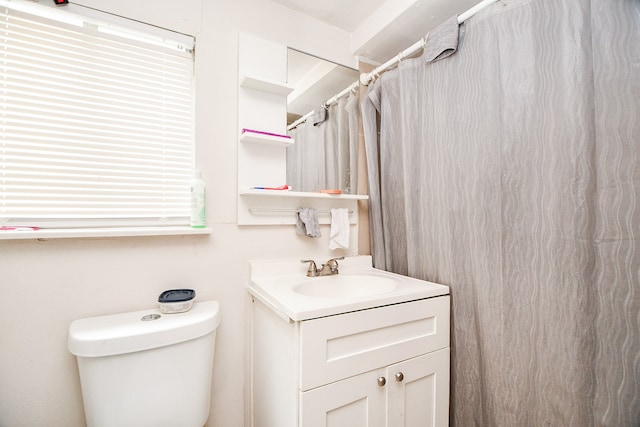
(418,391)
(353,402)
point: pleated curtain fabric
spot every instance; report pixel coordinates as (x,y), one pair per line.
(306,158)
(510,172)
(325,156)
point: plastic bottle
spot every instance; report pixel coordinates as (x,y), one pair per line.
(198,214)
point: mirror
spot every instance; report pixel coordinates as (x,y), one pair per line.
(324,155)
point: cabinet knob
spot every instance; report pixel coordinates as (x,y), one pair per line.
(399,377)
(382,381)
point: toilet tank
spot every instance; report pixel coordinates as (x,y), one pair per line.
(146,368)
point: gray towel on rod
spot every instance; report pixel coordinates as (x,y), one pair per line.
(319,115)
(443,41)
(307,223)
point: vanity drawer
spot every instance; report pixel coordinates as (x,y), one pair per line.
(337,347)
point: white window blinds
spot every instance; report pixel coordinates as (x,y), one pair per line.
(96,121)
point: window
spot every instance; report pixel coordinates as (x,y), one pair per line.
(96,120)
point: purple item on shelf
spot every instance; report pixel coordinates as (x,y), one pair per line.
(265,133)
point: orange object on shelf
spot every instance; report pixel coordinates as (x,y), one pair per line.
(331,191)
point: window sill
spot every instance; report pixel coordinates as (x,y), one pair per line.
(45,234)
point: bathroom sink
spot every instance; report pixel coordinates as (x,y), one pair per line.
(283,287)
(345,286)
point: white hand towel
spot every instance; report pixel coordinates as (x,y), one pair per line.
(339,235)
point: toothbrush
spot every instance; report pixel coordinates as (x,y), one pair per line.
(282,187)
(9,228)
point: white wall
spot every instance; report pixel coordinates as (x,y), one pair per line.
(44,285)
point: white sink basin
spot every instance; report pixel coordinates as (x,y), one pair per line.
(283,287)
(345,286)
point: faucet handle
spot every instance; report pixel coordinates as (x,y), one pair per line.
(313,270)
(333,264)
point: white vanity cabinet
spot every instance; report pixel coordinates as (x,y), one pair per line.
(382,366)
(410,393)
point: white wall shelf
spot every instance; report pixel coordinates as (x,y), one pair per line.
(278,207)
(264,85)
(301,194)
(258,138)
(262,157)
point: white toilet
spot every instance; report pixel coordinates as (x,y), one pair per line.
(146,369)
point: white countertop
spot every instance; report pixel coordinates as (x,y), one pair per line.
(273,283)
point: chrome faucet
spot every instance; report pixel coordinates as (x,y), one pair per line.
(327,269)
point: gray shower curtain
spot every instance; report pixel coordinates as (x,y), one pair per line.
(324,156)
(510,172)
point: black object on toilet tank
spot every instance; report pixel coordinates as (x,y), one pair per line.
(177,295)
(176,300)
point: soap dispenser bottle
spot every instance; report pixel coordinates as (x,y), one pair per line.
(198,218)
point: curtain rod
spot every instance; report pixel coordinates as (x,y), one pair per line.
(366,78)
(325,104)
(340,94)
(300,120)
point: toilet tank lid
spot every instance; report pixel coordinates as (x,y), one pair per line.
(127,332)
